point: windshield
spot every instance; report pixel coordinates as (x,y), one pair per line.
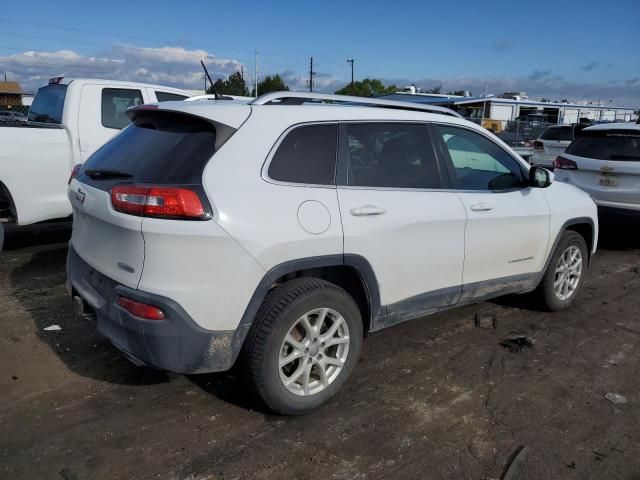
(48,104)
(618,145)
(557,133)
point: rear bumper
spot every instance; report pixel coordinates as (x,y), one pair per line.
(176,344)
(542,159)
(618,214)
(630,208)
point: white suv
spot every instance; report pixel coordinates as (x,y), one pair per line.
(604,161)
(553,141)
(280,231)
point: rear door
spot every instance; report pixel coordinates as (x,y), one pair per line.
(608,164)
(507,230)
(103,113)
(161,149)
(397,216)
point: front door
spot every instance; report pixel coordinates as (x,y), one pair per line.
(507,230)
(396,215)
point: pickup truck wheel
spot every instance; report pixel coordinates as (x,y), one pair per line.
(1,236)
(304,343)
(565,273)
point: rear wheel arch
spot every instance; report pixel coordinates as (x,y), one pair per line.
(7,205)
(352,273)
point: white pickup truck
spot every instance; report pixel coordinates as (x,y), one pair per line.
(68,121)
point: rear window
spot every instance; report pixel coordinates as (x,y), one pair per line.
(307,155)
(618,145)
(48,104)
(115,102)
(169,97)
(159,147)
(558,133)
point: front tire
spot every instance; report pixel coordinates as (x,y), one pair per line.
(565,273)
(1,236)
(305,341)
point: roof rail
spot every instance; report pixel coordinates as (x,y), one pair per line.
(298,98)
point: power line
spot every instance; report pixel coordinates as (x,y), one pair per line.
(135,37)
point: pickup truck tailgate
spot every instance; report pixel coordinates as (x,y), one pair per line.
(109,241)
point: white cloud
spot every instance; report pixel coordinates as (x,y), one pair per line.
(172,66)
(539,83)
(180,67)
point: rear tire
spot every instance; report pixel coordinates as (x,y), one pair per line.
(565,273)
(304,343)
(1,236)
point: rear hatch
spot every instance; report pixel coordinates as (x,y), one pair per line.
(555,140)
(153,168)
(607,164)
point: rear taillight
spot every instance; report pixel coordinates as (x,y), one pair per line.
(562,163)
(156,201)
(74,172)
(142,310)
(538,145)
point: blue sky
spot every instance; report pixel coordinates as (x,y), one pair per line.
(574,49)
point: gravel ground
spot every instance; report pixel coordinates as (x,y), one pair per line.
(438,397)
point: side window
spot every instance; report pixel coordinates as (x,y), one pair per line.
(307,155)
(169,97)
(479,164)
(396,155)
(115,102)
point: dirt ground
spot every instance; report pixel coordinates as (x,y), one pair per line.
(433,398)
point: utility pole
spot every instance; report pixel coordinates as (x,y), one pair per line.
(255,72)
(484,104)
(311,72)
(351,60)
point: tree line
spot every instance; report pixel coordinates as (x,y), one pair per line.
(235,84)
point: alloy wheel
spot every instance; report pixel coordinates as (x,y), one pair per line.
(568,273)
(314,351)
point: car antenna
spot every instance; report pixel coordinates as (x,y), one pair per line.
(217,94)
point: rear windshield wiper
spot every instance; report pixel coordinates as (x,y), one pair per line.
(97,174)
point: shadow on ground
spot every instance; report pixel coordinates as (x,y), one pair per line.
(618,235)
(39,286)
(38,234)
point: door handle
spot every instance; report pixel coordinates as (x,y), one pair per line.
(367,211)
(481,207)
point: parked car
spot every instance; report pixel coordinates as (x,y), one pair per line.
(552,142)
(604,161)
(12,118)
(69,119)
(279,232)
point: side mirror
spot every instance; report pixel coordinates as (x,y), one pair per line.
(539,177)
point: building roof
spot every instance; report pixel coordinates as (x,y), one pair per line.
(10,87)
(537,104)
(451,100)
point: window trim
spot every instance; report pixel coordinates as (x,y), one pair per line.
(264,173)
(102,90)
(342,175)
(445,158)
